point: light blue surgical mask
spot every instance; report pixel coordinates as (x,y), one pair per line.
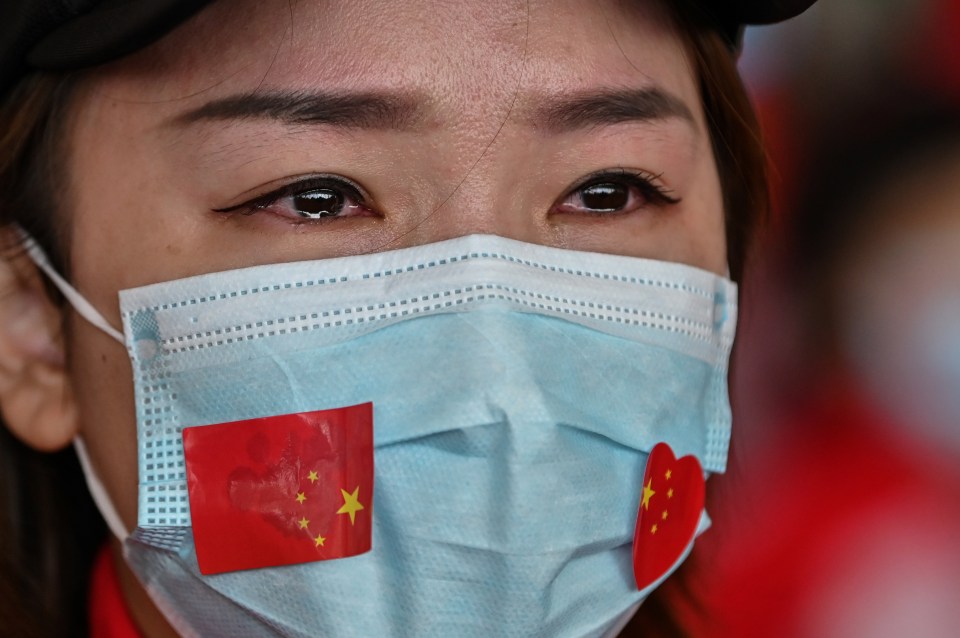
(517,391)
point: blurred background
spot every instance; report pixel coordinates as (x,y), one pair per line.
(840,511)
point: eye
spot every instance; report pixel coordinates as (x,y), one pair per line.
(615,193)
(311,199)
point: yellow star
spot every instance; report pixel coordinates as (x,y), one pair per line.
(350,503)
(664,516)
(668,474)
(318,541)
(670,493)
(312,476)
(301,497)
(653,530)
(303,523)
(647,493)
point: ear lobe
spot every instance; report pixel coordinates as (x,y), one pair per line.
(36,400)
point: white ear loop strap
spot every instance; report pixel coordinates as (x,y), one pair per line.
(83,307)
(86,310)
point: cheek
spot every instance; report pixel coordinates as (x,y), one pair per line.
(704,221)
(699,236)
(103,387)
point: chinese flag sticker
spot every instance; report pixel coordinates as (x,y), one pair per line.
(670,507)
(281,490)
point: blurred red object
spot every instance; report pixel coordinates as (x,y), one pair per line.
(934,58)
(840,531)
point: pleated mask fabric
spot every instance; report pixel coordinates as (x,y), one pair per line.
(517,390)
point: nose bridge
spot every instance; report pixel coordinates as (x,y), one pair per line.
(491,198)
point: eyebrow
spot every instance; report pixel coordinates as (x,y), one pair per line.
(398,111)
(610,106)
(363,110)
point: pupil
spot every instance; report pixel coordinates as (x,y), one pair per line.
(322,202)
(604,197)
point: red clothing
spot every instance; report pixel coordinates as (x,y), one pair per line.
(842,528)
(109,617)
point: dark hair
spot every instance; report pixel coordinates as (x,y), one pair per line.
(49,528)
(36,555)
(33,125)
(742,167)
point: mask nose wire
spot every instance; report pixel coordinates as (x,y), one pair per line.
(83,307)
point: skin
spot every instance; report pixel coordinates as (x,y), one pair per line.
(479,156)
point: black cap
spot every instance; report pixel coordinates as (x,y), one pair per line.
(731,16)
(60,35)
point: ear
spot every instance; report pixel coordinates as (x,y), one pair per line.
(36,400)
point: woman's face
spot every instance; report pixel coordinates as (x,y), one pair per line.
(559,122)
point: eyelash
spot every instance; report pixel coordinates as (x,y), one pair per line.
(301,187)
(648,184)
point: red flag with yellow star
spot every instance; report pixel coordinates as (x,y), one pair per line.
(281,490)
(670,507)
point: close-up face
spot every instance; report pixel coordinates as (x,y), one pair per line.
(267,132)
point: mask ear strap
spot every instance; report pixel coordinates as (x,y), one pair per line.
(86,310)
(83,307)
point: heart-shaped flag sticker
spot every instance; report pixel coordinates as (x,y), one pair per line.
(670,508)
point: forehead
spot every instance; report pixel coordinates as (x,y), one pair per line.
(462,54)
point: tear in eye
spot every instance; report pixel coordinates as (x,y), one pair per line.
(316,198)
(322,202)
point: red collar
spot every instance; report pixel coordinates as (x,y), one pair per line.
(109,617)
